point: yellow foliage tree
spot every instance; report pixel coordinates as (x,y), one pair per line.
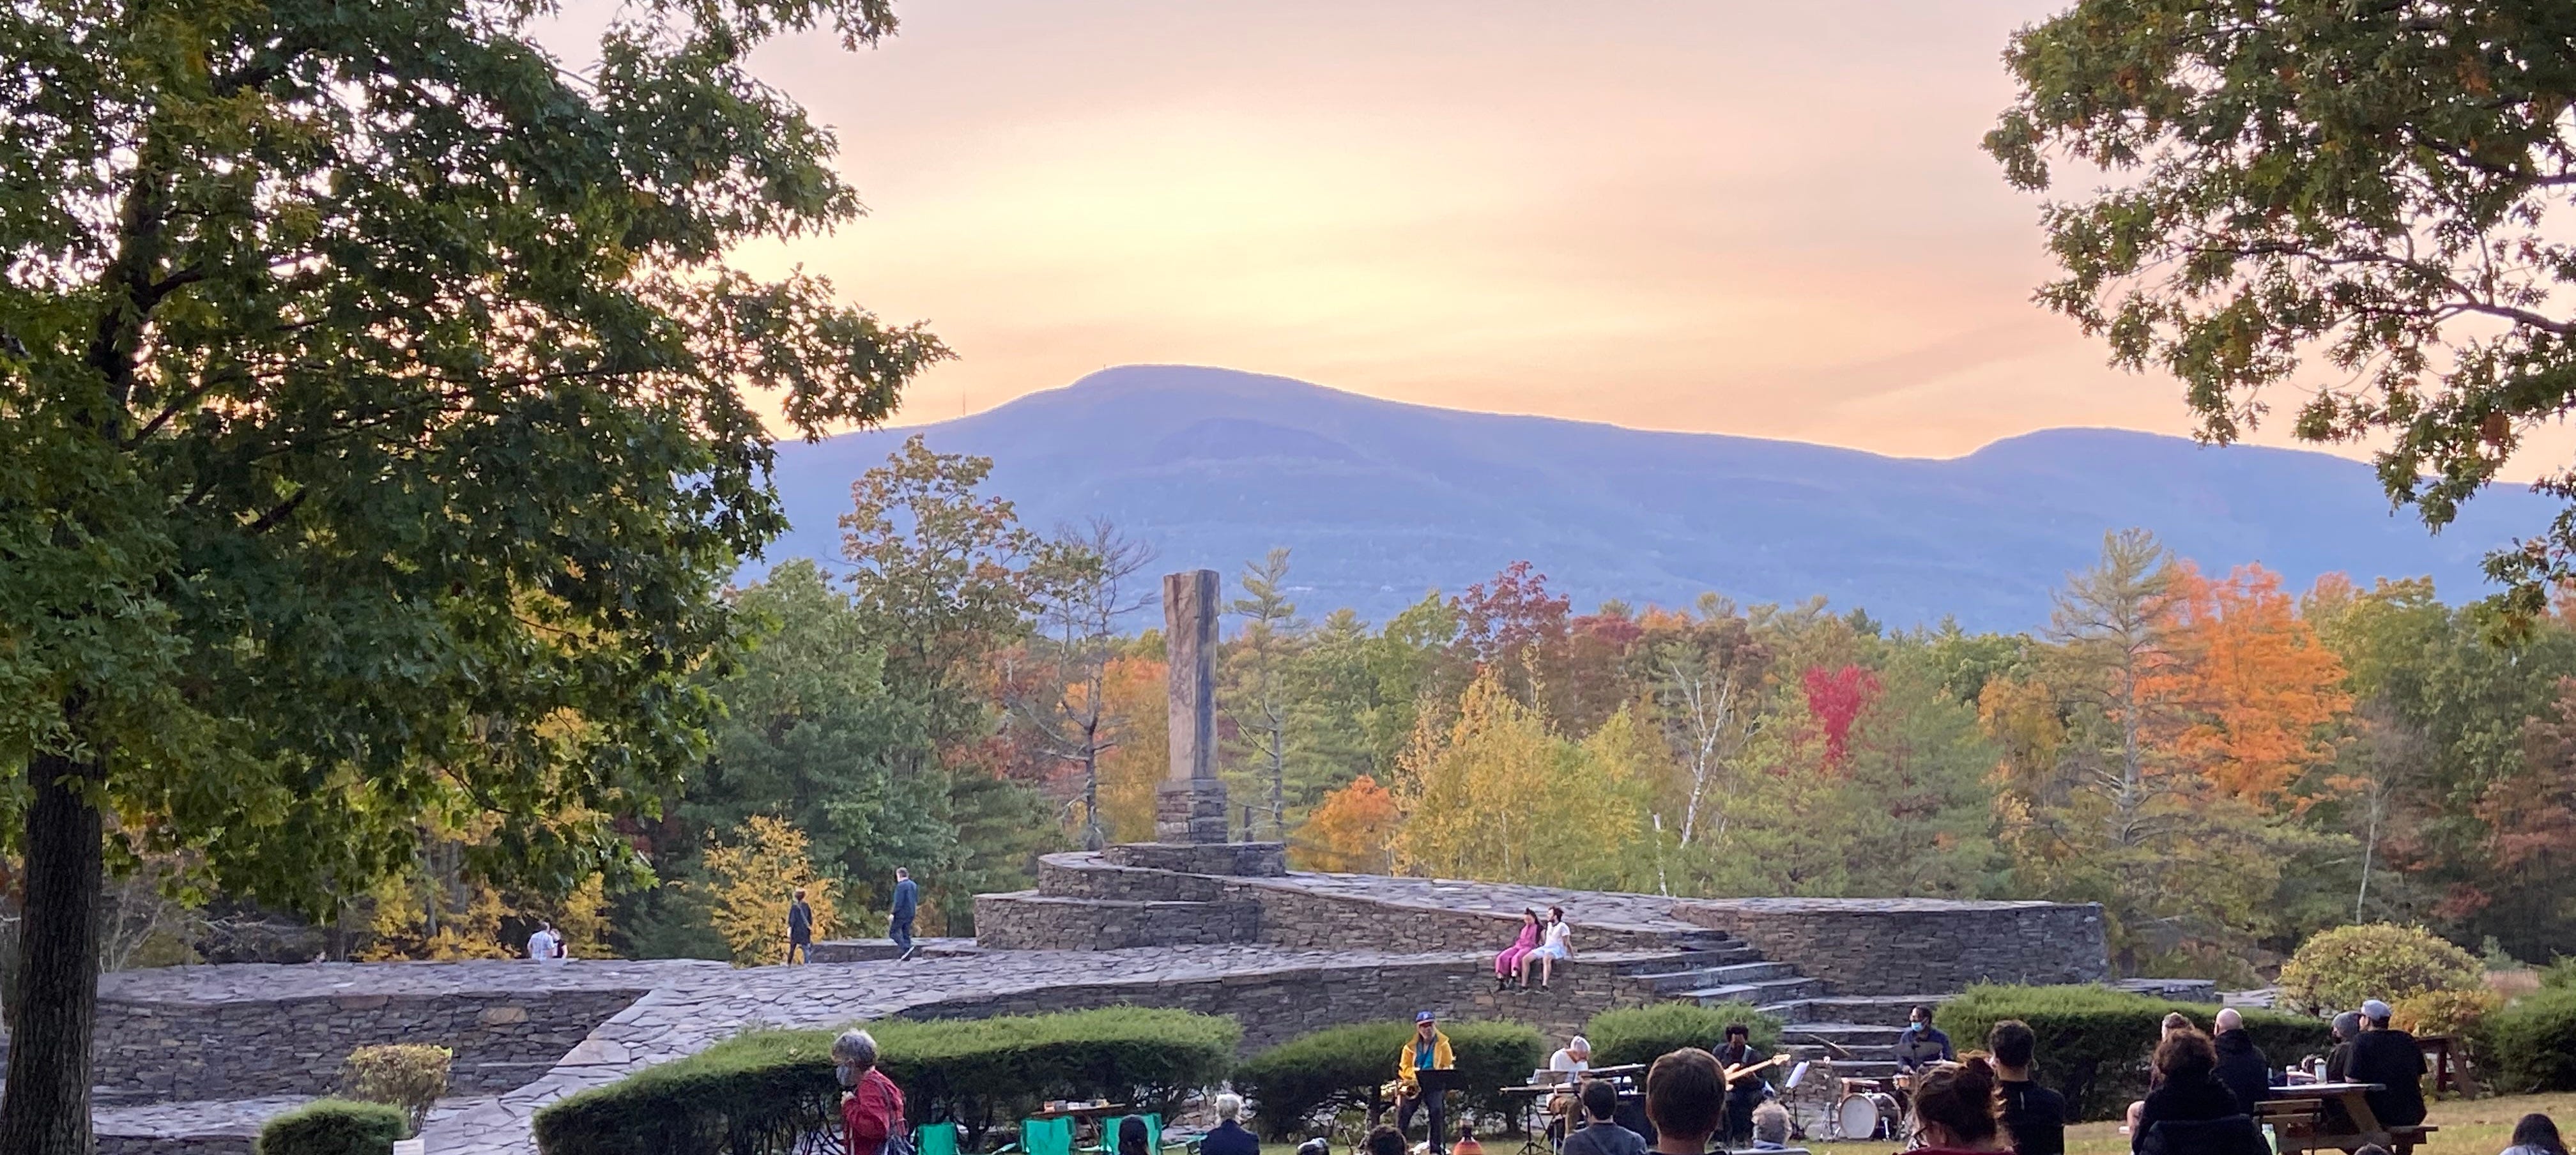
(1349,832)
(1129,771)
(1500,796)
(750,880)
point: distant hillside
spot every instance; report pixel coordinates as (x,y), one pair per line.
(1381,501)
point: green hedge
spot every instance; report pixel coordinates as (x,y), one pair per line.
(2094,1042)
(1645,1034)
(759,1092)
(2531,1043)
(334,1127)
(1345,1066)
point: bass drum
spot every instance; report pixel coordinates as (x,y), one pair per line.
(1868,1115)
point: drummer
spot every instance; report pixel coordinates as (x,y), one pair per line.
(1921,1044)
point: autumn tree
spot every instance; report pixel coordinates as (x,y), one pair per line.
(1350,832)
(1511,626)
(1497,795)
(752,877)
(2382,188)
(2260,695)
(1134,687)
(1084,585)
(375,394)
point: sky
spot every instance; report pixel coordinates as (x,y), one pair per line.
(1760,219)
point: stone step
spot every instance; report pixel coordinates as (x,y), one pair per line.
(1694,958)
(1876,1010)
(1851,1036)
(1027,920)
(1091,876)
(1758,992)
(1706,940)
(1732,974)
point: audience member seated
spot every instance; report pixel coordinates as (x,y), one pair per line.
(2394,1060)
(2536,1134)
(2347,1027)
(1132,1137)
(1956,1108)
(2241,1064)
(2034,1116)
(1466,1144)
(1770,1127)
(1384,1140)
(2190,1112)
(1229,1137)
(1685,1100)
(1599,1134)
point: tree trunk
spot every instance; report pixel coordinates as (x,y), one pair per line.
(45,1109)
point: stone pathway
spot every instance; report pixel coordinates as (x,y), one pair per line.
(274,982)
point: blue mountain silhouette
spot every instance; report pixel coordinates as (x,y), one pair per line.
(1381,501)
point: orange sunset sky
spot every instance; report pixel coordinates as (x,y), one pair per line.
(1765,219)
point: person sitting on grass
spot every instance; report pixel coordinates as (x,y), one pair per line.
(2536,1134)
(1229,1137)
(1600,1134)
(1466,1144)
(1383,1139)
(2190,1112)
(1685,1100)
(1958,1109)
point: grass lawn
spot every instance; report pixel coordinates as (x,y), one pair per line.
(2468,1127)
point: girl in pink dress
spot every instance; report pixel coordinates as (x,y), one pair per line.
(1508,964)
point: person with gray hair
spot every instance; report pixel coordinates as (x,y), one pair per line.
(872,1108)
(2347,1027)
(1229,1137)
(1770,1127)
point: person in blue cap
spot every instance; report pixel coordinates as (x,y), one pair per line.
(1427,1050)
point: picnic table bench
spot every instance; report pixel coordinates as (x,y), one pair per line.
(2332,1116)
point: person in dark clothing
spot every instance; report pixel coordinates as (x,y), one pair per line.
(2190,1112)
(2347,1027)
(1229,1137)
(2241,1064)
(1600,1135)
(2394,1060)
(1921,1044)
(907,901)
(1744,1092)
(1133,1138)
(2034,1116)
(800,928)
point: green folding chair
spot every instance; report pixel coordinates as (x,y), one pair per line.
(1046,1137)
(935,1139)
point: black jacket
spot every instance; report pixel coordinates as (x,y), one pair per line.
(1230,1138)
(2228,1135)
(2035,1118)
(2243,1068)
(2180,1102)
(2395,1060)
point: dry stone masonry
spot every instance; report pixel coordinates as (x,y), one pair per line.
(191,1059)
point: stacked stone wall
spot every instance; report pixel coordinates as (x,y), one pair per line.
(1292,917)
(1027,920)
(160,1051)
(1915,946)
(1277,1007)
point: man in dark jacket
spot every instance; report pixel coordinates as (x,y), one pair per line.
(2241,1064)
(907,901)
(2394,1060)
(800,928)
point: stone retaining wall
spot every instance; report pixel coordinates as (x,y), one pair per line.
(1238,859)
(1027,920)
(1275,1008)
(1292,917)
(1915,946)
(158,1051)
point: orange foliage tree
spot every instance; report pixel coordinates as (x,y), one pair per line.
(1351,832)
(1129,771)
(2260,693)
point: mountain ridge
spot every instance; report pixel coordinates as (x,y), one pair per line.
(1380,501)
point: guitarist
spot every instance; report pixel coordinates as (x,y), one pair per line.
(1744,1086)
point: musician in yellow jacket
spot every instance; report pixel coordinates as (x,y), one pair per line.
(1427,1050)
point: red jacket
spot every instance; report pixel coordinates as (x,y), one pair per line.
(871,1112)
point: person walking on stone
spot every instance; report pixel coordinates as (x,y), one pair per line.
(800,929)
(907,902)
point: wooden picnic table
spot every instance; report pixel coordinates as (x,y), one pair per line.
(2305,1117)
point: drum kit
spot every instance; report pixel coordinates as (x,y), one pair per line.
(1827,1108)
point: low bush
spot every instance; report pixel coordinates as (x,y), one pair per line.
(2338,969)
(2094,1042)
(2530,1045)
(1345,1066)
(764,1091)
(1645,1034)
(2462,1015)
(333,1127)
(408,1076)
(2560,974)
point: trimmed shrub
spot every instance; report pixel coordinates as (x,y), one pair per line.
(763,1091)
(1345,1066)
(2531,1043)
(2094,1042)
(333,1127)
(2560,974)
(408,1076)
(1645,1034)
(2339,969)
(2462,1015)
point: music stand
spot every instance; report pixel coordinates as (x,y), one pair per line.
(1435,1085)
